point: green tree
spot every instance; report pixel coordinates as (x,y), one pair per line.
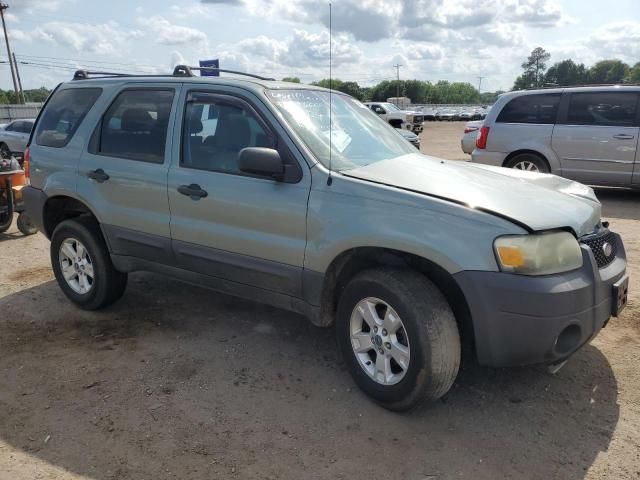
(291,79)
(566,72)
(608,71)
(534,68)
(633,76)
(489,98)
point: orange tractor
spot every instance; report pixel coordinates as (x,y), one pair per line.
(12,180)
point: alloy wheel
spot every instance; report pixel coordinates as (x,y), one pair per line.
(76,266)
(379,341)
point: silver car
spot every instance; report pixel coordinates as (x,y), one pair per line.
(14,136)
(589,134)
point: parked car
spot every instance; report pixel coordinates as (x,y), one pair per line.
(471,130)
(588,134)
(398,118)
(409,256)
(447,115)
(411,137)
(14,137)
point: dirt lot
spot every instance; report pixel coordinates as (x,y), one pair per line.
(179,382)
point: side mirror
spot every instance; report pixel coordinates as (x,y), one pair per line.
(265,162)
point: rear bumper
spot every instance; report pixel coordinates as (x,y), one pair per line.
(521,320)
(488,158)
(34,200)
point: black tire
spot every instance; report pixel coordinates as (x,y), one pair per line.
(25,226)
(5,218)
(5,222)
(430,327)
(523,159)
(108,284)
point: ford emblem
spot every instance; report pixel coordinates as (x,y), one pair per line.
(607,249)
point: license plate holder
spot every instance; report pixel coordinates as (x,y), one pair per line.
(620,293)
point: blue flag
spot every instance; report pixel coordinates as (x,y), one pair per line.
(210,63)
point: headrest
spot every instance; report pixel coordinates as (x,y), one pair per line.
(233,132)
(136,120)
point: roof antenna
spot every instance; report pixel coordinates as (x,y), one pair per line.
(330,178)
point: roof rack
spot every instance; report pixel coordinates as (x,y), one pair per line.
(186,71)
(84,74)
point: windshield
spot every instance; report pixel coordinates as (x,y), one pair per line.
(357,136)
(390,107)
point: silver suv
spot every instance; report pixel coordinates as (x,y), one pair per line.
(302,198)
(588,134)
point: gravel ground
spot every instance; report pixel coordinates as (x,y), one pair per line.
(179,382)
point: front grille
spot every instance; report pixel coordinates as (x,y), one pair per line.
(418,119)
(597,246)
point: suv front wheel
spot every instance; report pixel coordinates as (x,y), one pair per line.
(398,336)
(82,265)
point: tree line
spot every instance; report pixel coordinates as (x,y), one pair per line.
(535,73)
(34,95)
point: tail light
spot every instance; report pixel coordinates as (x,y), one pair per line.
(470,129)
(481,141)
(25,164)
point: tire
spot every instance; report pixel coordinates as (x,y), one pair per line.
(5,222)
(529,162)
(5,152)
(25,226)
(5,218)
(107,284)
(428,332)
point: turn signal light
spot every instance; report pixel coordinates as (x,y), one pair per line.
(481,141)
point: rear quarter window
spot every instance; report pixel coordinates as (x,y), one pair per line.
(63,115)
(539,108)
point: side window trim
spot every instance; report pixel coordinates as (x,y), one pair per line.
(95,140)
(242,102)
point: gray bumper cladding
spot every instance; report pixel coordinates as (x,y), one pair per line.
(34,200)
(521,320)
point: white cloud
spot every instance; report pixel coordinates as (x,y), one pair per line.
(167,33)
(104,39)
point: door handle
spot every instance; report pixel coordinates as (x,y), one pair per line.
(623,136)
(194,191)
(98,175)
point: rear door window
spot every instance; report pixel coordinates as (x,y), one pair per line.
(539,108)
(135,125)
(63,115)
(603,108)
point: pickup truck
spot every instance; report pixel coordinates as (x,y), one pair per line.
(398,118)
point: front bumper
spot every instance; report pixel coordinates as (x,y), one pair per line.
(521,320)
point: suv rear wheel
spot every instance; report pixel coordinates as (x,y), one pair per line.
(82,265)
(528,161)
(398,336)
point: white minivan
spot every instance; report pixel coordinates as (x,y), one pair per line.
(588,134)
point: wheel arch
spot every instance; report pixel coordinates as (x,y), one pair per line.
(529,151)
(63,207)
(349,263)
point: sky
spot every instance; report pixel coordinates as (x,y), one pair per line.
(455,40)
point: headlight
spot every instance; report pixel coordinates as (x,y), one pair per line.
(409,118)
(538,254)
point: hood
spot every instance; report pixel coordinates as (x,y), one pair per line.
(537,201)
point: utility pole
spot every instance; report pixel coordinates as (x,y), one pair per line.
(15,62)
(479,83)
(397,67)
(3,7)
